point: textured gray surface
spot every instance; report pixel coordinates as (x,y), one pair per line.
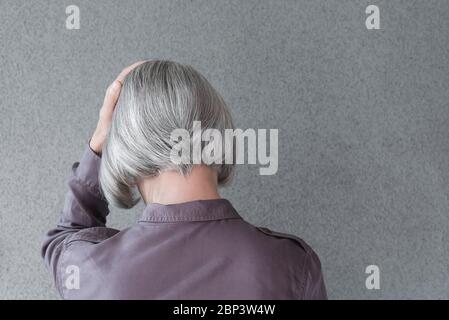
(363,167)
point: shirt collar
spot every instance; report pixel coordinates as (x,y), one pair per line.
(198,210)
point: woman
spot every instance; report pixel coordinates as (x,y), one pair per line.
(189,242)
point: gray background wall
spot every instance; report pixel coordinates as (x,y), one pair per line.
(362,118)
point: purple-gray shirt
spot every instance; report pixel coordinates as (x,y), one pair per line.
(195,250)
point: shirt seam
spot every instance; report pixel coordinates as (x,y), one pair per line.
(304,275)
(192,219)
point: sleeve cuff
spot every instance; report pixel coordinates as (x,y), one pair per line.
(88,168)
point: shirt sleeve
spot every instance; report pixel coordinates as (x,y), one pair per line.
(83,217)
(314,280)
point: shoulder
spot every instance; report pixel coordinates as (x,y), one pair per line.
(310,270)
(296,249)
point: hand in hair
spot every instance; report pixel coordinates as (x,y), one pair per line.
(106,111)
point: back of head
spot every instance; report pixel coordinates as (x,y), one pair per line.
(157,98)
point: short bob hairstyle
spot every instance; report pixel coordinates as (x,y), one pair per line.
(157,97)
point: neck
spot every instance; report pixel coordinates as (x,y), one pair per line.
(171,187)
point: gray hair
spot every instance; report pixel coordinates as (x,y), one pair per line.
(157,97)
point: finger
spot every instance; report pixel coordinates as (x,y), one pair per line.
(110,99)
(113,91)
(121,77)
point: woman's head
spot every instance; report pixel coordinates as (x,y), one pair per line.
(157,98)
